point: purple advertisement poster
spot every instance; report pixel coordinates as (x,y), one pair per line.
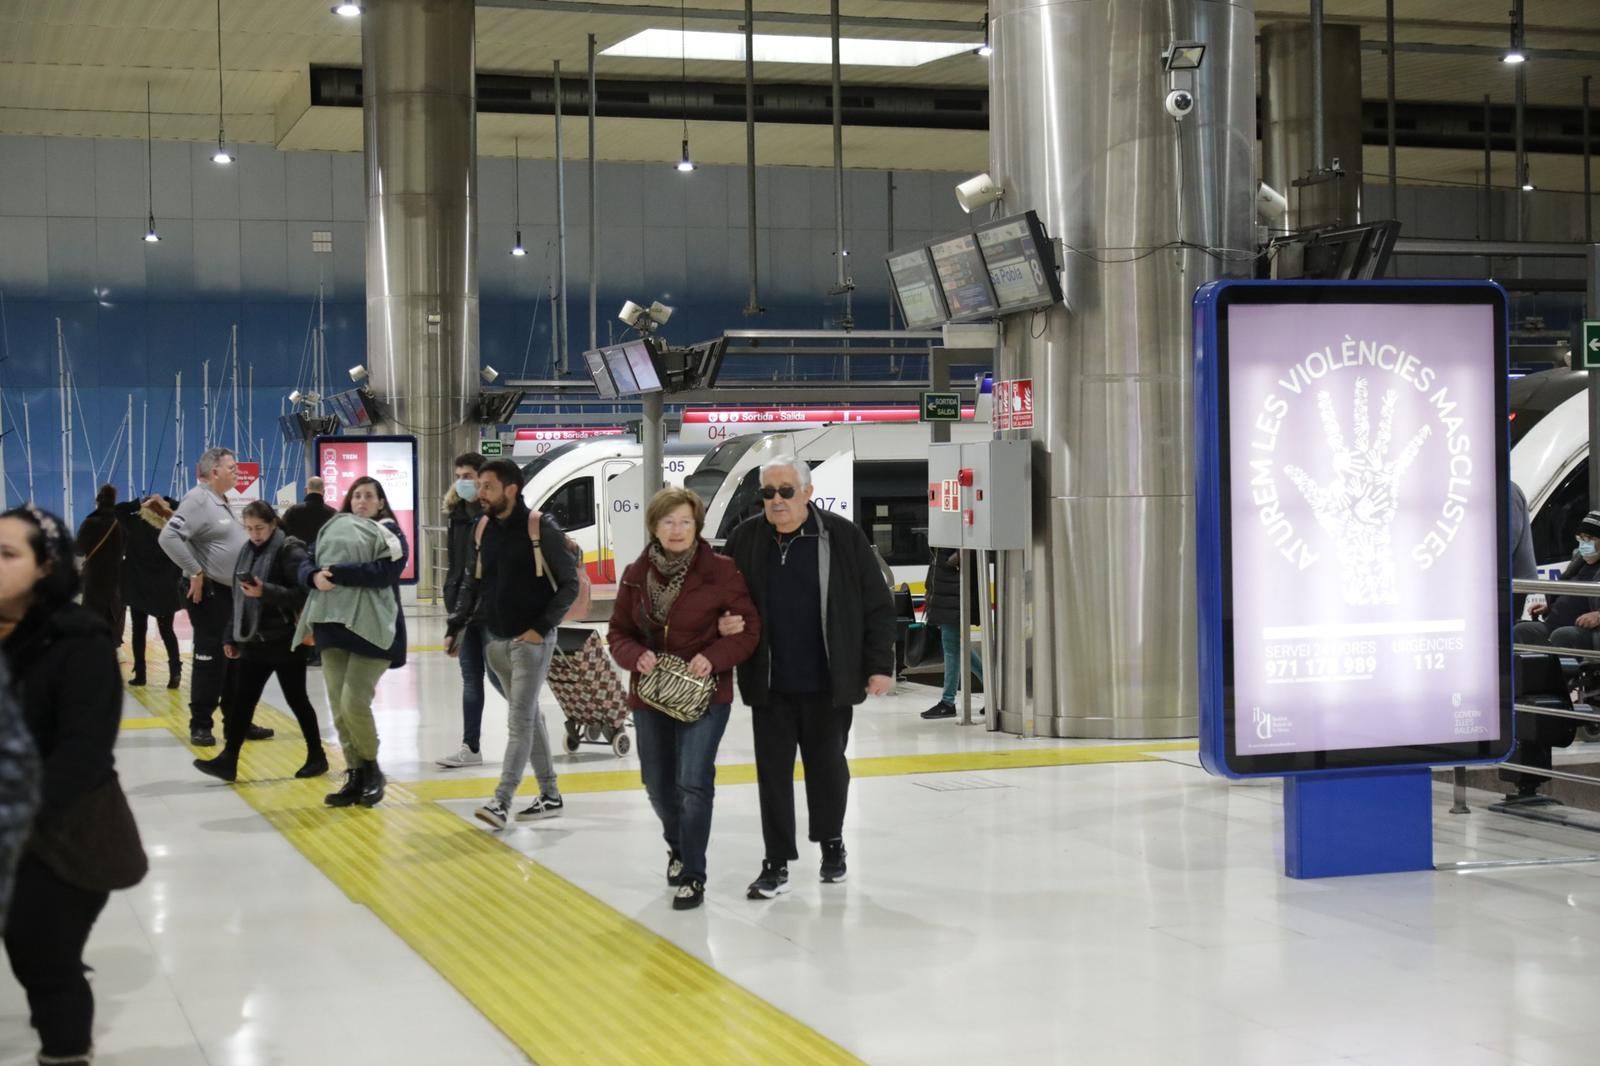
(1363,515)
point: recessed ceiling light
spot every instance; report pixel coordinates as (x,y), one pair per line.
(348,10)
(776,48)
(1514,57)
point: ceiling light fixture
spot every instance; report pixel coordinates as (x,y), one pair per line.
(347,10)
(220,156)
(1516,54)
(986,49)
(783,48)
(685,164)
(516,194)
(150,234)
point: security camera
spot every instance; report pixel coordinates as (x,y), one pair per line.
(1180,104)
(632,314)
(977,192)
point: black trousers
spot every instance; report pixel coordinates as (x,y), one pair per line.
(250,676)
(821,732)
(212,676)
(46,932)
(141,629)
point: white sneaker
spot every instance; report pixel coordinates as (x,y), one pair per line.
(543,807)
(465,757)
(494,813)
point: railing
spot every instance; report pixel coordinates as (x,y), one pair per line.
(438,558)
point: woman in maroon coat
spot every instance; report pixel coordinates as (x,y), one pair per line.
(669,601)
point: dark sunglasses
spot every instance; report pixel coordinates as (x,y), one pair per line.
(787,492)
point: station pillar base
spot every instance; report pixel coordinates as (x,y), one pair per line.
(1338,825)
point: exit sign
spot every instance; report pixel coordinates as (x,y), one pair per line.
(1591,345)
(491,449)
(941,407)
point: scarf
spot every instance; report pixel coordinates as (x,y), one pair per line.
(257,563)
(665,578)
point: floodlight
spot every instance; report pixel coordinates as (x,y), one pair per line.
(632,314)
(489,375)
(358,373)
(1183,55)
(660,313)
(977,192)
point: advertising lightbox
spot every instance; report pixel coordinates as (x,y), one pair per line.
(1353,561)
(392,462)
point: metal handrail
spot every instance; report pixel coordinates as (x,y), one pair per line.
(1566,588)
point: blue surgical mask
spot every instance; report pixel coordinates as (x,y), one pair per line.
(1588,549)
(467,489)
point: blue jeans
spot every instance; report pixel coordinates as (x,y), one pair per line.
(950,636)
(470,655)
(678,763)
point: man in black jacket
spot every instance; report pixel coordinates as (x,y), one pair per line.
(305,520)
(827,642)
(462,511)
(520,604)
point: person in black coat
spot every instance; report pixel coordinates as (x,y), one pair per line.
(150,582)
(261,637)
(943,589)
(100,548)
(462,511)
(305,520)
(84,844)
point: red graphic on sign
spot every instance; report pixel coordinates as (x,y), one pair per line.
(1013,404)
(248,475)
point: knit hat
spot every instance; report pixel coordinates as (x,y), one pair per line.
(1590,526)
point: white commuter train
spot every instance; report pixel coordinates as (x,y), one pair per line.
(1550,458)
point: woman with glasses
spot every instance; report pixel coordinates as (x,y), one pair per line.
(668,603)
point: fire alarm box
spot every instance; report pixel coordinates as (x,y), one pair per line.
(980,496)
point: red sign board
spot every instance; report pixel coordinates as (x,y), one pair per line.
(248,475)
(565,433)
(1013,404)
(718,424)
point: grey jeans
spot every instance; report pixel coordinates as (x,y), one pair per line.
(520,670)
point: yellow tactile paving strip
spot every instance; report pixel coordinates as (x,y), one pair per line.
(565,977)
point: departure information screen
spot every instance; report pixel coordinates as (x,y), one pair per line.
(963,278)
(1364,562)
(602,377)
(917,288)
(1021,270)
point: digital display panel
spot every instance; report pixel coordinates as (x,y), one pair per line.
(641,360)
(392,462)
(602,377)
(1360,609)
(621,372)
(963,278)
(1021,269)
(916,286)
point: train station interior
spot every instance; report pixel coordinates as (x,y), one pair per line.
(1185,402)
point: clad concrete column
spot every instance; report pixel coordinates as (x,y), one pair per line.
(1289,102)
(1098,631)
(418,61)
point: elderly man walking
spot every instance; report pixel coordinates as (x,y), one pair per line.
(827,642)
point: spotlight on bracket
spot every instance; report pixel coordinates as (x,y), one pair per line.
(978,192)
(358,373)
(489,375)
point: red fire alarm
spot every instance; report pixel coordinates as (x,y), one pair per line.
(964,476)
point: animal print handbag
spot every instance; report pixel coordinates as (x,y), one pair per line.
(674,690)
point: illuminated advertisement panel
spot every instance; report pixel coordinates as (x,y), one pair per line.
(392,462)
(1354,568)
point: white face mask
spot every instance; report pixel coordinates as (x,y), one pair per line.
(1588,549)
(467,489)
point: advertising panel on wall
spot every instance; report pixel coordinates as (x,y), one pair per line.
(1353,564)
(392,461)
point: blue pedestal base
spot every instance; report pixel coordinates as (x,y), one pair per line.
(1337,825)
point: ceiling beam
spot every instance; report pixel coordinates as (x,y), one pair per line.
(971,27)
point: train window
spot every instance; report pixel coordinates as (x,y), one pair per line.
(1556,524)
(572,505)
(897,527)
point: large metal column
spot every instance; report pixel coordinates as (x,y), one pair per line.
(418,60)
(1288,121)
(1098,616)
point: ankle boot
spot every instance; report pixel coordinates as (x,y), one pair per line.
(350,793)
(224,767)
(176,675)
(316,764)
(373,783)
(138,679)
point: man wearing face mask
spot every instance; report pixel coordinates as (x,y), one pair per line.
(462,512)
(1570,621)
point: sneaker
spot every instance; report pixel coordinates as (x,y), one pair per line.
(773,882)
(465,757)
(940,710)
(258,732)
(494,813)
(674,869)
(833,854)
(690,895)
(202,738)
(543,807)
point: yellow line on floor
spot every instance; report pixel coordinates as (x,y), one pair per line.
(565,977)
(460,788)
(144,723)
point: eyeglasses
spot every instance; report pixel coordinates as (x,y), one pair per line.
(787,492)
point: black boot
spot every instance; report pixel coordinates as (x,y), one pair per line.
(373,783)
(137,680)
(224,767)
(176,676)
(350,794)
(316,764)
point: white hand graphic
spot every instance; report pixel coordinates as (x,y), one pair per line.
(1358,506)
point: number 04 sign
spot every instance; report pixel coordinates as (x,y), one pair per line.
(1353,552)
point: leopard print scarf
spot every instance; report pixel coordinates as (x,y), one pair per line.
(665,579)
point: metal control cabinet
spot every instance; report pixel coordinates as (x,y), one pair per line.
(980,496)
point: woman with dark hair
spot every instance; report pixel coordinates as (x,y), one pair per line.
(84,843)
(150,582)
(261,636)
(354,613)
(100,547)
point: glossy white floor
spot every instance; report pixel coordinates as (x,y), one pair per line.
(1130,913)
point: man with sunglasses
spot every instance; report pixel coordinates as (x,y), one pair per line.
(827,642)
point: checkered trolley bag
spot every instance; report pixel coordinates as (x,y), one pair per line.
(590,694)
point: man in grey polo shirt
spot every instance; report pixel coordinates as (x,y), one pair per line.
(204,540)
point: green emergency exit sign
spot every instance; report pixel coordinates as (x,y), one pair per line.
(1591,345)
(492,449)
(941,407)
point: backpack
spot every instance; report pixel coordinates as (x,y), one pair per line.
(579,611)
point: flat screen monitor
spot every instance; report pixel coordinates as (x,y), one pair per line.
(293,432)
(1350,253)
(1022,269)
(916,288)
(642,361)
(963,278)
(621,371)
(596,361)
(1353,559)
